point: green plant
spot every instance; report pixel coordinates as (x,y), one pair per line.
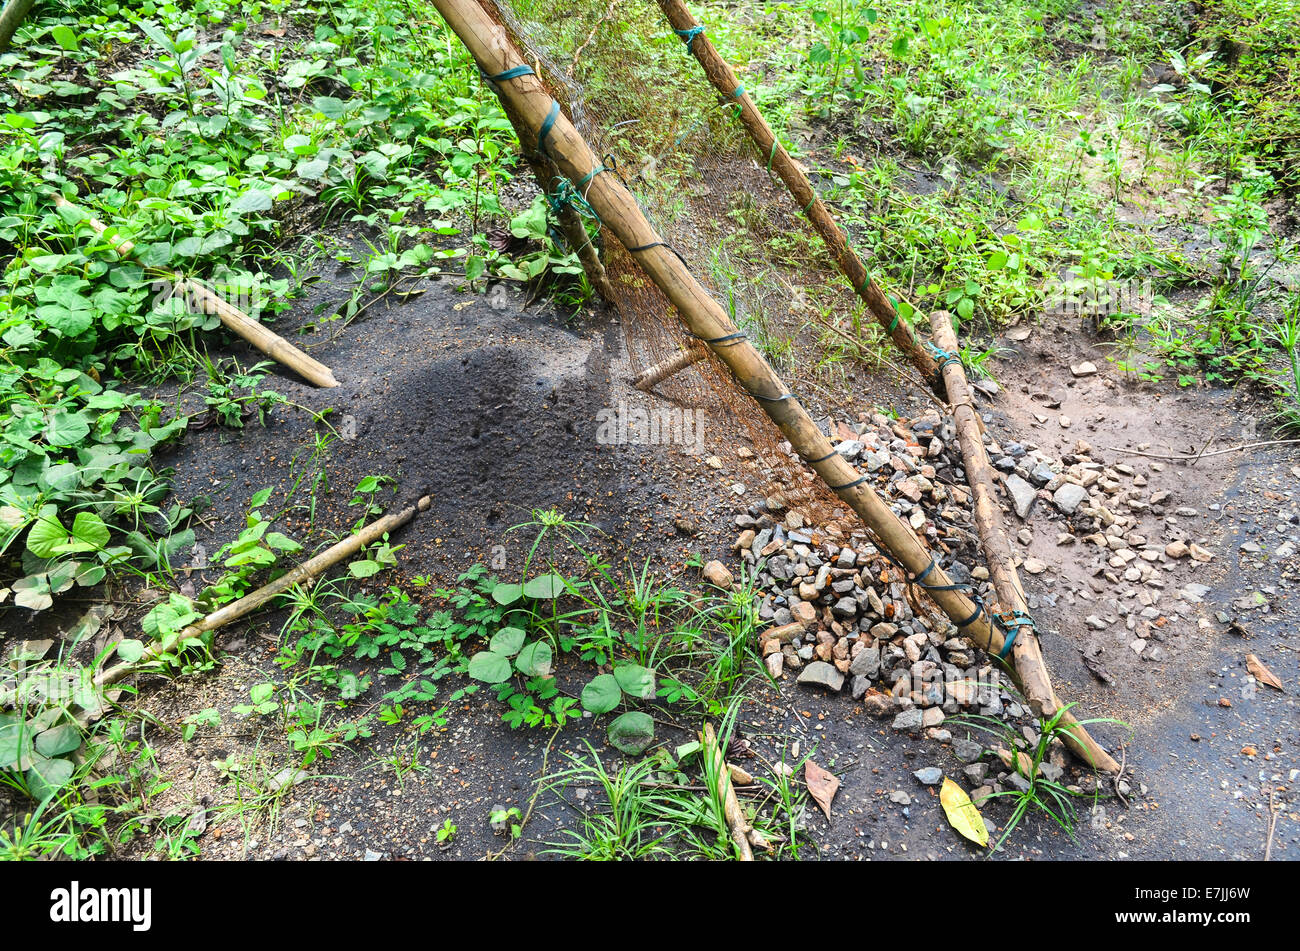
(1037,793)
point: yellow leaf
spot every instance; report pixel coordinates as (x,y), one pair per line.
(962,814)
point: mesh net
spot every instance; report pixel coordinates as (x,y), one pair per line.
(626,81)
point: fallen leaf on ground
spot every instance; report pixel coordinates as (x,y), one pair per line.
(1262,673)
(822,785)
(962,814)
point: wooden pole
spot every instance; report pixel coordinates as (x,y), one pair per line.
(722,77)
(251,602)
(652,376)
(736,823)
(234,319)
(494,52)
(1027,653)
(11,18)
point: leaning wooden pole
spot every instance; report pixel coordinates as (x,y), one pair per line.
(234,319)
(308,570)
(495,53)
(722,77)
(1026,651)
(11,17)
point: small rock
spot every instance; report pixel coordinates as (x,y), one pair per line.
(929,776)
(1086,368)
(716,573)
(821,674)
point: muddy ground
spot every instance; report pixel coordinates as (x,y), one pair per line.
(493,411)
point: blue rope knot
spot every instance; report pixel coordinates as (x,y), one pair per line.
(1011,622)
(688,36)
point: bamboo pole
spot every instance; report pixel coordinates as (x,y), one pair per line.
(652,376)
(736,823)
(234,319)
(251,602)
(11,18)
(722,77)
(571,223)
(494,53)
(1027,653)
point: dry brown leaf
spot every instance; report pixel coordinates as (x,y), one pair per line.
(822,785)
(1262,673)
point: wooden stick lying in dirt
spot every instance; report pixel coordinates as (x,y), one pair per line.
(309,569)
(494,52)
(652,376)
(234,319)
(735,817)
(1192,457)
(571,223)
(720,74)
(1031,671)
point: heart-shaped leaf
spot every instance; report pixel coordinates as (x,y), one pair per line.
(601,695)
(507,594)
(534,660)
(636,680)
(489,667)
(59,740)
(544,587)
(48,776)
(632,732)
(507,641)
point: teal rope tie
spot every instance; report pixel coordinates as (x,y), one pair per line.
(1011,622)
(688,36)
(547,126)
(738,92)
(942,356)
(567,196)
(513,73)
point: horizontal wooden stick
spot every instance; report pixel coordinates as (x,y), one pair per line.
(652,376)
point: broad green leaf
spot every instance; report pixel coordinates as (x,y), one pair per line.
(253,200)
(601,695)
(489,667)
(507,594)
(130,650)
(48,776)
(66,37)
(534,660)
(632,732)
(544,587)
(47,533)
(365,568)
(636,681)
(59,740)
(507,641)
(89,533)
(66,429)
